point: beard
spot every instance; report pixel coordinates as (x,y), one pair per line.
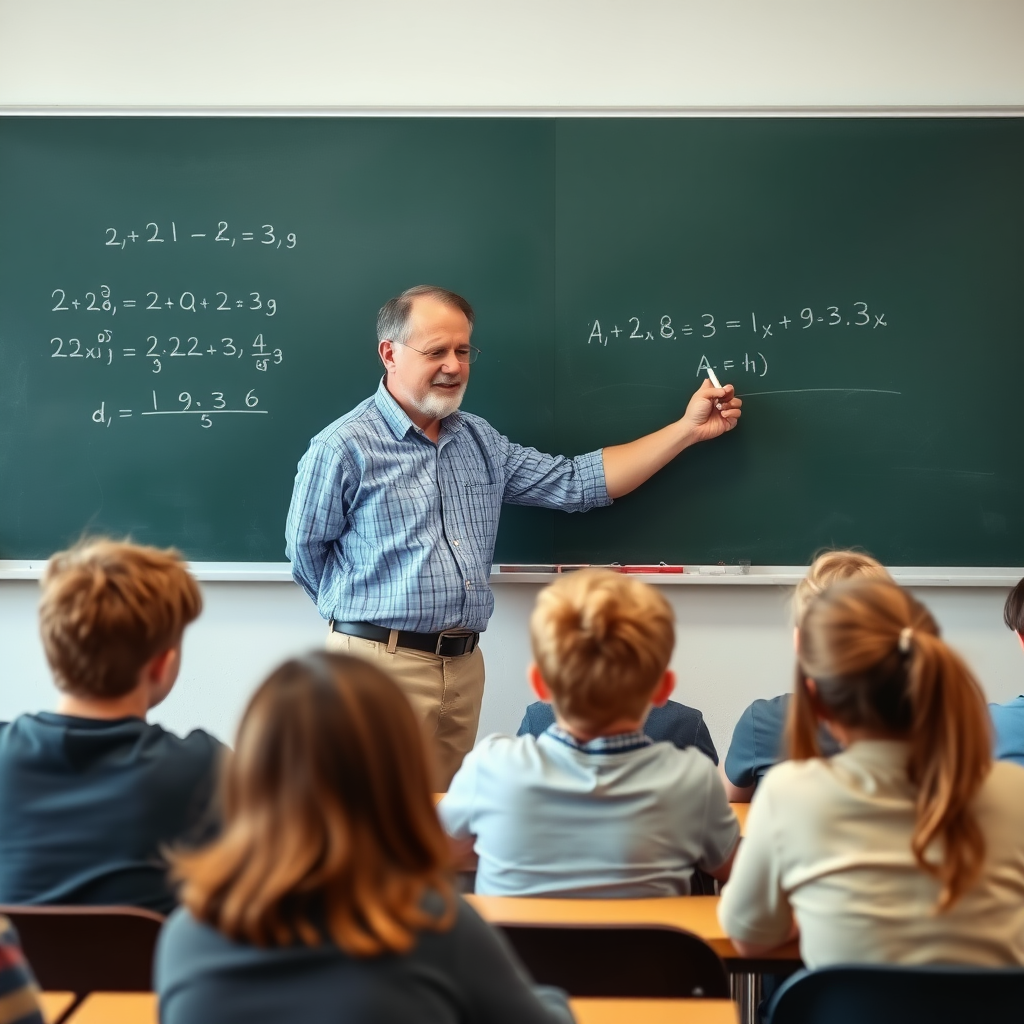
(439,404)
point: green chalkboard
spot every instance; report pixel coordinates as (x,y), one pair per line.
(319,223)
(856,278)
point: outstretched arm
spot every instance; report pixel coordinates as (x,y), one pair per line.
(710,412)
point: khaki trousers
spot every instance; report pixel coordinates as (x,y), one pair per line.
(445,694)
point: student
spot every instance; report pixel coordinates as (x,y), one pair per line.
(18,1002)
(90,794)
(593,807)
(908,846)
(329,895)
(758,740)
(673,723)
(1008,718)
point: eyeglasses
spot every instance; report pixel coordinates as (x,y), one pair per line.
(463,353)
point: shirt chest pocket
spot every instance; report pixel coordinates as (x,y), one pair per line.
(481,509)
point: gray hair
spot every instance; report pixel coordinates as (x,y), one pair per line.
(393,318)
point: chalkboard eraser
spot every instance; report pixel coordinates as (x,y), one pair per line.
(527,568)
(711,570)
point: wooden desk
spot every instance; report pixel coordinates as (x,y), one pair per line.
(116,1008)
(654,1011)
(55,1004)
(741,811)
(141,1008)
(697,914)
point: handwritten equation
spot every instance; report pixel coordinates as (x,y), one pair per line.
(217,404)
(154,234)
(749,364)
(156,349)
(102,301)
(710,325)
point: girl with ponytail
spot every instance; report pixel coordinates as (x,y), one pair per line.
(906,847)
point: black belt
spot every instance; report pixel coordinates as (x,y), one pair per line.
(449,643)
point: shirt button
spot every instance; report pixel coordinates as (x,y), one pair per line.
(455,542)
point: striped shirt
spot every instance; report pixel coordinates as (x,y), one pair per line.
(18,991)
(387,527)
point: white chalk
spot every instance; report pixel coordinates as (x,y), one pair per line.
(714,380)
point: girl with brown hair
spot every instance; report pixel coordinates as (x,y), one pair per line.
(906,847)
(328,896)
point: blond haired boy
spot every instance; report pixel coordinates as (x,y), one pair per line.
(593,807)
(91,795)
(759,735)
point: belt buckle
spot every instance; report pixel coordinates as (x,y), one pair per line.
(445,634)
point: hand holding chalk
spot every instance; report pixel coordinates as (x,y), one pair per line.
(714,380)
(708,414)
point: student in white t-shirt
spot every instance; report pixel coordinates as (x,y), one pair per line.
(593,807)
(908,846)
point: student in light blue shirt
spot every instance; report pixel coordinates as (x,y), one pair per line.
(593,807)
(1008,718)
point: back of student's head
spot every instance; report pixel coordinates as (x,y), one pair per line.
(878,663)
(1013,610)
(602,641)
(329,830)
(107,608)
(833,567)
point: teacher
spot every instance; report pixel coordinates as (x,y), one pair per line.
(395,510)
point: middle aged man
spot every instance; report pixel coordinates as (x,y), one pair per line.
(395,510)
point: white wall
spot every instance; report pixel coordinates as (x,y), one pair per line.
(459,53)
(734,643)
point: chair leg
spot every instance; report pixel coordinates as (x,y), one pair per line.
(746,992)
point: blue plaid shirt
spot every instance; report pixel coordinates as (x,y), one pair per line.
(614,744)
(389,528)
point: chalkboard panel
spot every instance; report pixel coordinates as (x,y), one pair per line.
(856,278)
(249,256)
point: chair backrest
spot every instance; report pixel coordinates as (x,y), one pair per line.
(623,961)
(88,949)
(889,994)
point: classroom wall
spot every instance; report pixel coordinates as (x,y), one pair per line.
(734,643)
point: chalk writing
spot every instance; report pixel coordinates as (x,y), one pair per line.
(157,348)
(667,327)
(154,234)
(217,404)
(102,301)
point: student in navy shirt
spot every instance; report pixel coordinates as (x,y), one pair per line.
(91,795)
(1008,718)
(758,741)
(673,723)
(329,895)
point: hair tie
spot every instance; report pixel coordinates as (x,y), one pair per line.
(906,639)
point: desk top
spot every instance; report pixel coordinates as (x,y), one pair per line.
(116,1008)
(696,914)
(55,1004)
(654,1011)
(741,811)
(141,1008)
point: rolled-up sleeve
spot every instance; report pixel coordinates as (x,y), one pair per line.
(316,515)
(554,481)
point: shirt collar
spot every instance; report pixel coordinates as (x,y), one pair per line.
(398,420)
(616,744)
